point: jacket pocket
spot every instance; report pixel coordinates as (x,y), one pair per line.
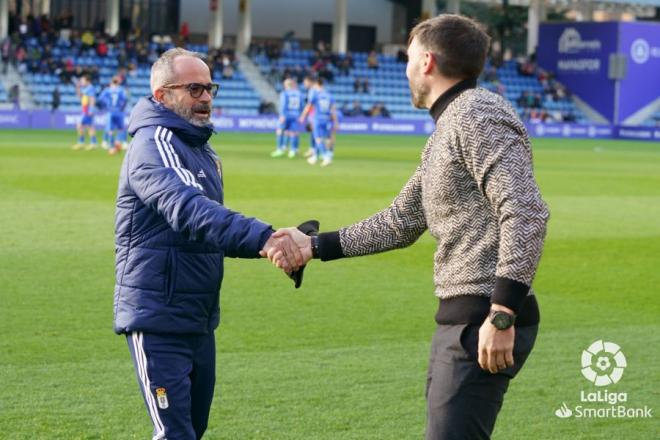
(170,275)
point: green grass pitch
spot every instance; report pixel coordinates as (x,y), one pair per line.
(345,356)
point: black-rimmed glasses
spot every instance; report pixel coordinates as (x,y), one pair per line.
(196,89)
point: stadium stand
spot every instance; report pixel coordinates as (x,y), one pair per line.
(535,96)
(376,81)
(50,66)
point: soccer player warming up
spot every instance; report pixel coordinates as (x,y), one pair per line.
(291,103)
(85,90)
(324,123)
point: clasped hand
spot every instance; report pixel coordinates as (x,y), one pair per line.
(288,249)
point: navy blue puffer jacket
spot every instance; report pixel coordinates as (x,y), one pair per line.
(171,229)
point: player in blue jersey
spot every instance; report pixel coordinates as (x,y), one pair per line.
(324,123)
(114,100)
(87,93)
(308,83)
(291,104)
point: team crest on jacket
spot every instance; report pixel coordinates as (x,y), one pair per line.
(161,396)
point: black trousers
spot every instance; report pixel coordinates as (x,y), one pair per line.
(462,399)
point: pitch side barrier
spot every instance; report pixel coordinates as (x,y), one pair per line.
(266,124)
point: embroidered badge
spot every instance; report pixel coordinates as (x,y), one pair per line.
(161,396)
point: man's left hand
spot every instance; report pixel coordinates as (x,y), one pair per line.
(496,346)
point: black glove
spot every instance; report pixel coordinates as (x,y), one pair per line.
(310,227)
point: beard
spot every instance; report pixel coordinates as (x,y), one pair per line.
(418,94)
(188,113)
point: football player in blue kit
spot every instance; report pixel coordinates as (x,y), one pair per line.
(291,104)
(324,123)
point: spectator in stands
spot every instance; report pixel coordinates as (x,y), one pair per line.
(273,51)
(87,40)
(528,99)
(20,56)
(227,68)
(490,74)
(496,57)
(365,85)
(527,67)
(142,53)
(95,74)
(55,102)
(401,56)
(355,110)
(274,75)
(64,21)
(184,32)
(378,110)
(298,73)
(535,116)
(317,62)
(357,85)
(5,53)
(267,108)
(23,29)
(361,85)
(500,88)
(132,70)
(346,64)
(14,96)
(372,60)
(321,47)
(102,48)
(288,41)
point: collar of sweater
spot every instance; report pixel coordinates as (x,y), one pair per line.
(448,96)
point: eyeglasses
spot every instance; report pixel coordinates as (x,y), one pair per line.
(196,89)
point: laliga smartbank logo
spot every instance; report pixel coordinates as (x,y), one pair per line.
(603,364)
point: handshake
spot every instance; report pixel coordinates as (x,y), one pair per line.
(291,248)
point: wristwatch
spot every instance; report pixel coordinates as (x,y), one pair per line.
(501,320)
(315,246)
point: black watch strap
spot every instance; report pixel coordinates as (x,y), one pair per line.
(315,246)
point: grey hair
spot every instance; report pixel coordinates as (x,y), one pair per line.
(162,71)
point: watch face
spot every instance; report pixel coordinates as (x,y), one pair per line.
(501,320)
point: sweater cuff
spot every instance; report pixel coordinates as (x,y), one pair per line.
(509,293)
(330,246)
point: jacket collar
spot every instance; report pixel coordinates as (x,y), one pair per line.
(440,104)
(149,112)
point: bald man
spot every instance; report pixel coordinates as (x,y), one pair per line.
(172,233)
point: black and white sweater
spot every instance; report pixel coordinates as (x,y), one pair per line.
(475,192)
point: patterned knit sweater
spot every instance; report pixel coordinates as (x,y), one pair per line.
(475,192)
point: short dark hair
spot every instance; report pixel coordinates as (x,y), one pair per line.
(459,44)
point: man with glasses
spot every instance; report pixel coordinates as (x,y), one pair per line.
(172,233)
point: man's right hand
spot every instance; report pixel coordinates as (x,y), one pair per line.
(298,245)
(286,250)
